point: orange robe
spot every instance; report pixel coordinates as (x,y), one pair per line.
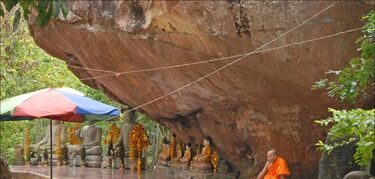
(276,169)
(187,156)
(172,148)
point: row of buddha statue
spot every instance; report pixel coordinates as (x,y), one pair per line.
(85,151)
(84,148)
(171,156)
(89,145)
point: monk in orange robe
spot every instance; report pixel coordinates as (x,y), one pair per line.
(275,167)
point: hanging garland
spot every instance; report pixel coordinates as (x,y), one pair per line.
(26,146)
(113,134)
(138,141)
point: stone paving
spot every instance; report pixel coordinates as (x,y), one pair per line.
(40,172)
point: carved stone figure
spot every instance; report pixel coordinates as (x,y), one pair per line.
(57,127)
(184,162)
(91,136)
(201,162)
(125,130)
(164,155)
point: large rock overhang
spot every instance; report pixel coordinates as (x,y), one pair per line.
(264,101)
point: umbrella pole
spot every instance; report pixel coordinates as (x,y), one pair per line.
(50,137)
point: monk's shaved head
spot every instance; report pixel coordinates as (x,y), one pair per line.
(272,151)
(271,155)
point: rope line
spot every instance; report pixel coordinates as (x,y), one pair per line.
(213,60)
(229,64)
(79,48)
(114,73)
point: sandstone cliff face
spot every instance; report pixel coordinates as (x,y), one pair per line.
(261,102)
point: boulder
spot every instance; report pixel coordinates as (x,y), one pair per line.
(261,102)
(358,175)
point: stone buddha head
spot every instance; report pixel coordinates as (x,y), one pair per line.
(206,141)
(129,117)
(188,145)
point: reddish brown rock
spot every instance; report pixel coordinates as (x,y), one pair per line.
(261,102)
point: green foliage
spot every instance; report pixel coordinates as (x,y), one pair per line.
(47,9)
(355,125)
(25,68)
(353,81)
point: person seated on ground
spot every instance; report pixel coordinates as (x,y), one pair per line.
(275,167)
(165,155)
(187,155)
(205,155)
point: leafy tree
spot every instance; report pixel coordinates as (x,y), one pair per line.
(24,67)
(353,81)
(355,125)
(46,9)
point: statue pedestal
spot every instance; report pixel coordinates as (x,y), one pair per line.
(33,161)
(129,164)
(201,167)
(180,173)
(223,166)
(163,163)
(93,161)
(180,165)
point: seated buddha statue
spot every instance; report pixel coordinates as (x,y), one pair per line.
(183,162)
(57,128)
(164,155)
(179,153)
(206,152)
(91,136)
(201,162)
(187,155)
